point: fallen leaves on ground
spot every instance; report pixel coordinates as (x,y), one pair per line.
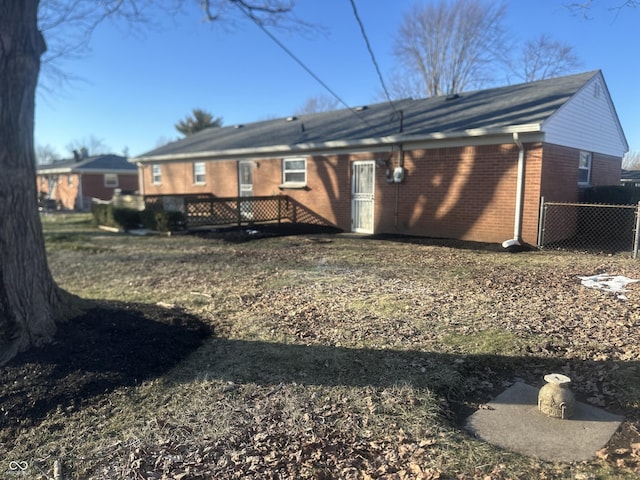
(461,321)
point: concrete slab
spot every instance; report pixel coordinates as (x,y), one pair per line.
(512,421)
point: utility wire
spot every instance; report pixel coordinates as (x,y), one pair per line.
(373,57)
(297,60)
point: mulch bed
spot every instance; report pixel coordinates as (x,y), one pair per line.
(111,345)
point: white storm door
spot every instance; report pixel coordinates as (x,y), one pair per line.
(362,196)
(245,188)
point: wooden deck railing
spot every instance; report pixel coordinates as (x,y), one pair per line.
(209,210)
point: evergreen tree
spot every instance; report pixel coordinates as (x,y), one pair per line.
(197,121)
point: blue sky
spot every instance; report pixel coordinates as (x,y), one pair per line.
(135,85)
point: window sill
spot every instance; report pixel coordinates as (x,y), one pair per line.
(293,186)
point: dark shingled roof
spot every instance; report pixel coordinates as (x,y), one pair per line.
(97,164)
(523,104)
(630,175)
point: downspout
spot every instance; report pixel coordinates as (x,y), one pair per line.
(80,192)
(401,165)
(517,225)
(397,206)
(140,179)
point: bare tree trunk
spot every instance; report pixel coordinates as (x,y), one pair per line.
(29,298)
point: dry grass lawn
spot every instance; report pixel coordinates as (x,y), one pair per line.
(330,357)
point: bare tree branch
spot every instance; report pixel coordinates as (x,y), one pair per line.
(584,8)
(271,7)
(543,57)
(264,12)
(68,25)
(46,154)
(631,161)
(319,103)
(451,46)
(92,145)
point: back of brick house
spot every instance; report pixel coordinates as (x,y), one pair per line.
(71,184)
(480,182)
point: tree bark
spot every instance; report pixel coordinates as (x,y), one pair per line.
(29,298)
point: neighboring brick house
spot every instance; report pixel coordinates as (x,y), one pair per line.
(472,166)
(71,184)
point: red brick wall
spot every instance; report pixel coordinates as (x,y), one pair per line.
(327,194)
(328,189)
(560,172)
(93,185)
(458,192)
(64,193)
(464,192)
(560,184)
(461,192)
(605,170)
(221,179)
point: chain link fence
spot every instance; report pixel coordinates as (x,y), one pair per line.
(589,227)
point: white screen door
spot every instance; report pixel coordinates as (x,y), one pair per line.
(362,195)
(245,188)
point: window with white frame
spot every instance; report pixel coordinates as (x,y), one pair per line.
(156,175)
(110,180)
(584,168)
(294,171)
(199,173)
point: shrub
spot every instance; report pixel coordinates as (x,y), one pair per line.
(611,195)
(162,221)
(108,215)
(102,214)
(608,227)
(126,218)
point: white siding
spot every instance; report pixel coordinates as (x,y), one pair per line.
(588,121)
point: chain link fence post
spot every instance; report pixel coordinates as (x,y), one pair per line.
(541,224)
(636,233)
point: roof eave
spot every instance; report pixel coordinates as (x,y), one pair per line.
(69,170)
(310,148)
(54,171)
(99,171)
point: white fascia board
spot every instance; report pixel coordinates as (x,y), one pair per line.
(101,171)
(69,170)
(364,145)
(54,171)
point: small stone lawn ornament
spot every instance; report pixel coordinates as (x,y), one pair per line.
(555,399)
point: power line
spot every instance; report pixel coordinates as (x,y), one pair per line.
(297,60)
(373,57)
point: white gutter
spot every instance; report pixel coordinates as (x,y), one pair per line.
(66,170)
(80,191)
(517,224)
(279,150)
